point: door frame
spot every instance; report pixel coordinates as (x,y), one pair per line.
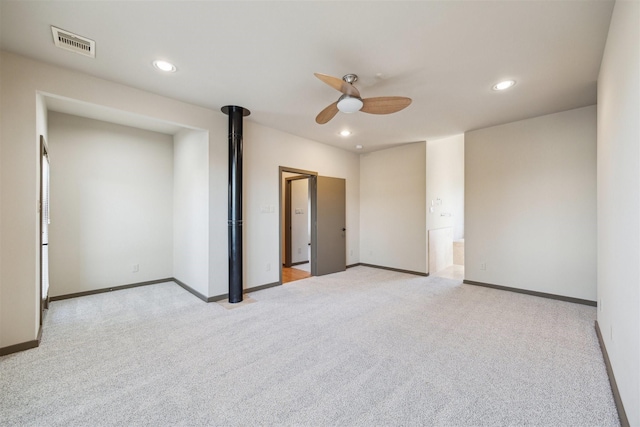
(302,174)
(44,302)
(288,251)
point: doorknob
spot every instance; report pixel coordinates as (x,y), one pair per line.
(344,229)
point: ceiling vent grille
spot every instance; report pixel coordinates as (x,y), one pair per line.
(73,42)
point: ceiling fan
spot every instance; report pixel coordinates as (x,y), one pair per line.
(350,101)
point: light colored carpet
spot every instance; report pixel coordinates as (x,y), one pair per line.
(364,347)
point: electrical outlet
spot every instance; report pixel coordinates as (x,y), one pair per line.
(136,268)
(299,250)
(351,252)
(268,267)
(483,266)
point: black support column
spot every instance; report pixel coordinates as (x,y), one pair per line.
(235,114)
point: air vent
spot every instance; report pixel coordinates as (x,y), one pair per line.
(73,42)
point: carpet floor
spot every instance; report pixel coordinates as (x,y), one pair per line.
(364,347)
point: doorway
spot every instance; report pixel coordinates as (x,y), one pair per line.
(296,205)
(327,222)
(44,228)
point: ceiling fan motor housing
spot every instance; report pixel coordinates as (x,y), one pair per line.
(350,78)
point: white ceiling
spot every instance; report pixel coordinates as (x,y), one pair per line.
(261,55)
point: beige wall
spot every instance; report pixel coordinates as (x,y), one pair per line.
(393,208)
(265,149)
(530,204)
(111,204)
(191,209)
(619,202)
(21,124)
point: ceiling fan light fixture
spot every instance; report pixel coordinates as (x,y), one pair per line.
(349,104)
(351,101)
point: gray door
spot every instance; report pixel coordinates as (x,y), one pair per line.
(330,220)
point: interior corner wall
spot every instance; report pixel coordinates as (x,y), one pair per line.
(265,150)
(445,184)
(111,205)
(393,208)
(530,204)
(191,209)
(21,80)
(619,202)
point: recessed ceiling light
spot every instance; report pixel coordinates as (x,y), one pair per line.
(358,147)
(164,66)
(504,85)
(345,133)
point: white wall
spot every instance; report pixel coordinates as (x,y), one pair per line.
(393,208)
(191,209)
(265,150)
(445,181)
(530,204)
(22,80)
(111,204)
(300,220)
(619,202)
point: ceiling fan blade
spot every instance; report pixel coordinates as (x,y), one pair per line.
(385,104)
(327,114)
(339,84)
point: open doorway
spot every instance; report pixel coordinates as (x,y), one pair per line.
(296,205)
(445,207)
(44,228)
(327,223)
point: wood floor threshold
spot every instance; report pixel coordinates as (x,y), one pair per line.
(292,274)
